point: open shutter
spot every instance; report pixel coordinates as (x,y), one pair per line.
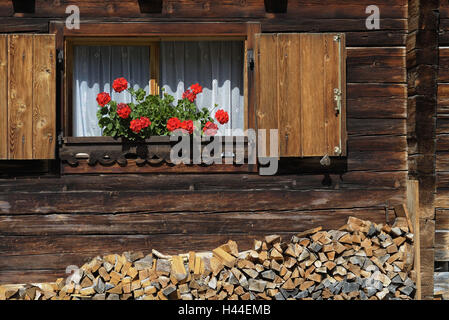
(27,96)
(300,90)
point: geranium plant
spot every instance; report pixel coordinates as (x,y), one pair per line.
(152,115)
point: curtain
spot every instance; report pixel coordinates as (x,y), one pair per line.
(95,68)
(215,65)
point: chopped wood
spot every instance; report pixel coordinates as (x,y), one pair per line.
(361,260)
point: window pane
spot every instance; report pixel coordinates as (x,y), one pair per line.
(215,65)
(95,68)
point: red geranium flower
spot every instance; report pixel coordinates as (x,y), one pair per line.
(103,98)
(187,126)
(135,125)
(196,88)
(222,116)
(120,84)
(210,128)
(145,122)
(123,110)
(173,124)
(189,95)
(139,124)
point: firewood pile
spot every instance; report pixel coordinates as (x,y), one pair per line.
(361,260)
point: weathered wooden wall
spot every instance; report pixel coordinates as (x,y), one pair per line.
(442,155)
(46,224)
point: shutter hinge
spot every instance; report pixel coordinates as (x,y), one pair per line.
(337,38)
(250,59)
(60,139)
(337,98)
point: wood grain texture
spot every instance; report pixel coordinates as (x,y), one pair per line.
(267,116)
(312,95)
(244,201)
(4,97)
(414,210)
(20,99)
(44,97)
(289,94)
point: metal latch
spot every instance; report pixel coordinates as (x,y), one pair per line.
(250,59)
(337,98)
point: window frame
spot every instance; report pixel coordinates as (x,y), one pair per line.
(126,33)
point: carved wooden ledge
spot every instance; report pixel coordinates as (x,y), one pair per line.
(108,155)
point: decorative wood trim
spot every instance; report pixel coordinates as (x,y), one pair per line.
(109,155)
(140,29)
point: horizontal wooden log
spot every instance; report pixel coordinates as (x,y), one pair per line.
(364,90)
(10,25)
(369,160)
(376,65)
(376,107)
(31,276)
(443,66)
(211,201)
(232,8)
(358,127)
(442,143)
(443,101)
(182,223)
(441,282)
(442,219)
(201,182)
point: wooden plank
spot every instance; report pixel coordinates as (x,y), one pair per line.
(413,209)
(266,88)
(143,201)
(442,219)
(376,65)
(201,182)
(441,282)
(20,98)
(268,222)
(4,96)
(312,95)
(44,97)
(289,95)
(363,127)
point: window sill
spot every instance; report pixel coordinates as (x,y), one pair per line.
(102,155)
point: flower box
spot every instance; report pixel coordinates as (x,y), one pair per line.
(109,155)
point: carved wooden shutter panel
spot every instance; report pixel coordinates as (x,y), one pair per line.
(300,89)
(27,96)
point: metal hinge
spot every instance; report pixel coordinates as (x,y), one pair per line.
(337,98)
(250,59)
(337,38)
(60,139)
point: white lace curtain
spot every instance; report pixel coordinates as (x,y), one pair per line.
(215,65)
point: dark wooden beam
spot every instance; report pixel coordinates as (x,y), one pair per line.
(422,75)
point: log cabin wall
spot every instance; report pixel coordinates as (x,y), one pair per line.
(442,154)
(50,222)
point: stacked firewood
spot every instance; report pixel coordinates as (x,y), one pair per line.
(361,260)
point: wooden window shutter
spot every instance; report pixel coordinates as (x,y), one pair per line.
(27,96)
(300,90)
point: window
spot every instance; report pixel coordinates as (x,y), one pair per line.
(218,65)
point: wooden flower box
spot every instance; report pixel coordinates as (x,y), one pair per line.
(109,155)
